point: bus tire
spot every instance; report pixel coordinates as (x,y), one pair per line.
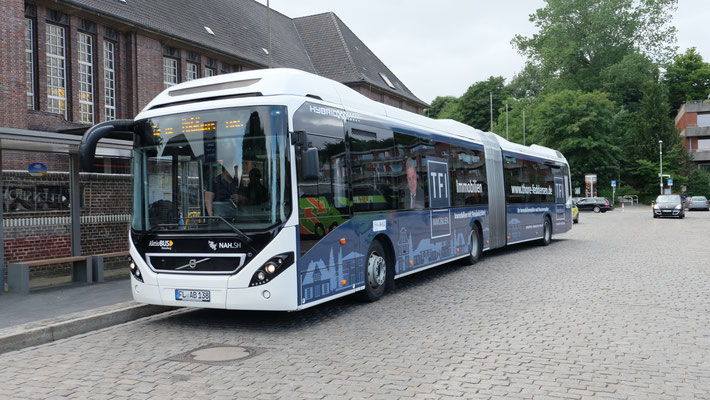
(546,232)
(476,244)
(376,266)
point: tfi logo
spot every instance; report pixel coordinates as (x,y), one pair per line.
(438,169)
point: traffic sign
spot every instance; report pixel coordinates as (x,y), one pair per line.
(613,183)
(670,182)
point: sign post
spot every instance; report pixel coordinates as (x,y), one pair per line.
(613,192)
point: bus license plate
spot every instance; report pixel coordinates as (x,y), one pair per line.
(192,295)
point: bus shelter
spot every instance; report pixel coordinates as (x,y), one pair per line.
(43,191)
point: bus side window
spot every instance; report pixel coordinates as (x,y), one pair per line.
(407,179)
(323,202)
(468,176)
(374,169)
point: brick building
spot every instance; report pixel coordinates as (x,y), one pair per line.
(693,125)
(68,64)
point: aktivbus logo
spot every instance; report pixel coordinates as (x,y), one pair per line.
(163,244)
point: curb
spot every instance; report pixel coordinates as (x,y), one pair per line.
(47,331)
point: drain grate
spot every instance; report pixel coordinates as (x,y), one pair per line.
(217,354)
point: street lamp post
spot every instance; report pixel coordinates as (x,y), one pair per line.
(660,152)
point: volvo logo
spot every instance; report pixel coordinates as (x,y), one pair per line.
(192,264)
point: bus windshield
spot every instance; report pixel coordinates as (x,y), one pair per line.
(220,170)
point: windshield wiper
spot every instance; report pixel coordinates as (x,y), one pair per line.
(236,230)
(160,226)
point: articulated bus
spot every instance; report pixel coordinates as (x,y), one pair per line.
(280,190)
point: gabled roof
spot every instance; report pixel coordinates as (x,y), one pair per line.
(320,44)
(239,26)
(337,53)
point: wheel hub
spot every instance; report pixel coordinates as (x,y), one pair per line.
(376,269)
(474,245)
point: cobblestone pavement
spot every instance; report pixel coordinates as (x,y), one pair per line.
(616,308)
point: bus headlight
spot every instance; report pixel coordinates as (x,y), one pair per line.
(271,269)
(134,270)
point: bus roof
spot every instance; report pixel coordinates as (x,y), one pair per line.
(285,81)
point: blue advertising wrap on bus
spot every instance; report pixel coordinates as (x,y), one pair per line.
(331,267)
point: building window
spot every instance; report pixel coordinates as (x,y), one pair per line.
(86,78)
(110,79)
(29,62)
(56,70)
(170,71)
(210,72)
(193,71)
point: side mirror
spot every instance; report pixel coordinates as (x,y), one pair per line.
(299,139)
(87,146)
(310,163)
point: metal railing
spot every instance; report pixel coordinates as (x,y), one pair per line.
(629,199)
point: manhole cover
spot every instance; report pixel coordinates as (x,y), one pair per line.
(217,354)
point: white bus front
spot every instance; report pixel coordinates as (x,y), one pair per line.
(211,198)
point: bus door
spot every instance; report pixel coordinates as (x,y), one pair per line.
(560,194)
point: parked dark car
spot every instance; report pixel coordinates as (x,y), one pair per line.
(698,203)
(596,204)
(668,205)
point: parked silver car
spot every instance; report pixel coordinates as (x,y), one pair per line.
(698,203)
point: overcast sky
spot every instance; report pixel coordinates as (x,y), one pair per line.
(441,48)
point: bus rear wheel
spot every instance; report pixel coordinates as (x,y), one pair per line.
(546,233)
(376,266)
(476,246)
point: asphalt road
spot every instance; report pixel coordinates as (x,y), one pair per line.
(617,308)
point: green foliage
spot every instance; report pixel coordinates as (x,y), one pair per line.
(474,105)
(625,80)
(578,39)
(687,78)
(515,119)
(439,104)
(699,183)
(591,89)
(529,82)
(581,126)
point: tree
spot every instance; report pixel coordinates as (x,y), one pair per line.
(578,39)
(439,103)
(582,126)
(699,183)
(625,80)
(651,125)
(515,119)
(474,105)
(530,82)
(687,78)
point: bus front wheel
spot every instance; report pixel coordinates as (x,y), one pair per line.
(376,266)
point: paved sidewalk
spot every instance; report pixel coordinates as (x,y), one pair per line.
(55,313)
(61,300)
